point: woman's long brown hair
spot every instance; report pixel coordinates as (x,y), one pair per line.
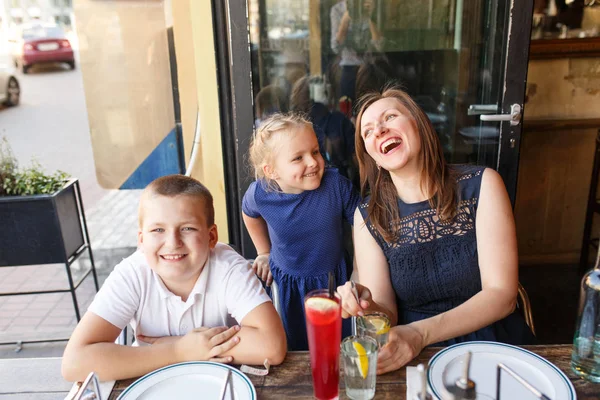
(437,179)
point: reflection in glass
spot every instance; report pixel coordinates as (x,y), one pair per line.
(562,19)
(320,56)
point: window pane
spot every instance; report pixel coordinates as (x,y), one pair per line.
(321,56)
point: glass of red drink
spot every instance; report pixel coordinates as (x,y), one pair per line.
(324,330)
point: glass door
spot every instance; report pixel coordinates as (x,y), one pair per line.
(464,62)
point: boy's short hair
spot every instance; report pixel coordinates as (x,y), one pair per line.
(180,185)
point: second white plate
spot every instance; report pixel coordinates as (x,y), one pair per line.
(536,370)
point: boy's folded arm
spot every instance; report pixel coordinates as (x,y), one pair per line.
(262,337)
(92,348)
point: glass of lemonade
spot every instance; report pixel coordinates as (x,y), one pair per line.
(324,330)
(359,358)
(375,325)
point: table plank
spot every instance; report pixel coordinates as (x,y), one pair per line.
(560,355)
(292,379)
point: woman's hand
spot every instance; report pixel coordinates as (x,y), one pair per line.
(350,306)
(261,268)
(206,344)
(405,343)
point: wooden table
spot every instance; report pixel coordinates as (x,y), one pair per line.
(292,379)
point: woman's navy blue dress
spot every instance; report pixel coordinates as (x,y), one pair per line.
(434,265)
(306,242)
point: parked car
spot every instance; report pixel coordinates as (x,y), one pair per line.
(41,43)
(10,90)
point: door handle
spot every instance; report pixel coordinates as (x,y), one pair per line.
(477,109)
(514,117)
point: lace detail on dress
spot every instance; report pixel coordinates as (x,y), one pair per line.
(471,175)
(425,226)
(421,224)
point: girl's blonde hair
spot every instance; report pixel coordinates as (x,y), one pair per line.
(267,137)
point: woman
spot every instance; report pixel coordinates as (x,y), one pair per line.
(435,244)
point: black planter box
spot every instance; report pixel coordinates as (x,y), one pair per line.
(41,229)
(46,229)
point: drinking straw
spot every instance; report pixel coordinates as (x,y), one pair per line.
(331,284)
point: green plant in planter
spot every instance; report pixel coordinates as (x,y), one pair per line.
(28,181)
(42,221)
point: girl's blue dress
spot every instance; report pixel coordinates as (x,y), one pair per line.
(306,242)
(434,265)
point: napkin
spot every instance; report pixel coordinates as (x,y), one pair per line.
(105,389)
(413,384)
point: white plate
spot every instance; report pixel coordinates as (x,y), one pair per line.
(538,371)
(190,380)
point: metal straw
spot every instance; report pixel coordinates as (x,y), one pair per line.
(519,379)
(464,382)
(224,389)
(331,284)
(355,293)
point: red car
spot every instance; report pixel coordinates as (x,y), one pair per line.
(39,44)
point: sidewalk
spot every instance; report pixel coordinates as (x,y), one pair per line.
(113,222)
(112,226)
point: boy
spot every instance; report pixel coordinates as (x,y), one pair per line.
(180,291)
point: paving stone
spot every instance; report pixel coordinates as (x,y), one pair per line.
(31,350)
(61,312)
(5,322)
(41,305)
(9,313)
(18,300)
(34,312)
(25,322)
(57,321)
(14,306)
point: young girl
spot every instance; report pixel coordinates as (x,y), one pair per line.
(294,213)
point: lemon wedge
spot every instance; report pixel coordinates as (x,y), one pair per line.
(381,325)
(363,360)
(321,303)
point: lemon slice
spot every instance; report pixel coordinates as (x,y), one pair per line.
(321,304)
(363,360)
(381,325)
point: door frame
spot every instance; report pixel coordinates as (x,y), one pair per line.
(236,111)
(513,87)
(237,104)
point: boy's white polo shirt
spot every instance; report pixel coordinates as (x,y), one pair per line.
(134,294)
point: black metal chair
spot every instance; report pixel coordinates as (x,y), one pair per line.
(525,306)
